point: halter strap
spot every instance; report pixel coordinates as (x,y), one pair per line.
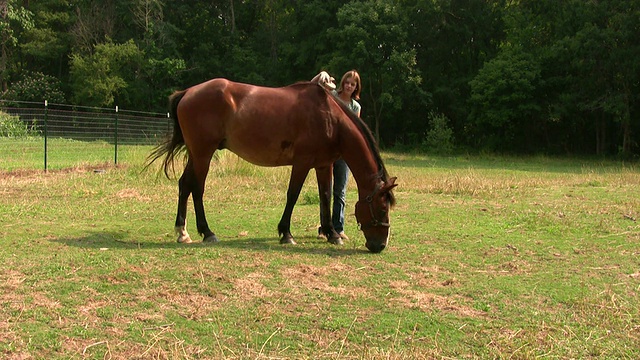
(374,222)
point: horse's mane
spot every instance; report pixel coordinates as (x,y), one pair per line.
(366,133)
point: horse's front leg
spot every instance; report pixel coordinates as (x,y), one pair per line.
(298,176)
(324,188)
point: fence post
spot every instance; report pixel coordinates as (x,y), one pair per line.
(46,112)
(115,159)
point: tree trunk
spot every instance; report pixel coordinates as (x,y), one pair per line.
(233,18)
(377,112)
(4,9)
(626,123)
(601,134)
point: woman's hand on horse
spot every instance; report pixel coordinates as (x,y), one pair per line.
(325,80)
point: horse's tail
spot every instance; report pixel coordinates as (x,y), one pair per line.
(175,144)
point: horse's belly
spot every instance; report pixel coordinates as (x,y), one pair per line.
(265,154)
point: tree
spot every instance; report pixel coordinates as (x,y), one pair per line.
(101,78)
(45,46)
(504,107)
(36,87)
(162,66)
(371,38)
(306,46)
(587,53)
(95,21)
(13,18)
(607,73)
(558,76)
(453,40)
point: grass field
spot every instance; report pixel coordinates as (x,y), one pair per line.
(29,154)
(490,257)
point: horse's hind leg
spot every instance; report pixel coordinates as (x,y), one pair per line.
(191,184)
(185,184)
(200,170)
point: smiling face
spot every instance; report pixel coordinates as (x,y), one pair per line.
(350,85)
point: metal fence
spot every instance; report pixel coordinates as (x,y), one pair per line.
(113,128)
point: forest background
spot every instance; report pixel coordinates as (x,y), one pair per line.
(558,77)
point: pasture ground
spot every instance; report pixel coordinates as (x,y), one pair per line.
(517,258)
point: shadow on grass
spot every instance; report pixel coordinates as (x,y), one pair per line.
(306,245)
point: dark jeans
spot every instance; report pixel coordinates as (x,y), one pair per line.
(340,178)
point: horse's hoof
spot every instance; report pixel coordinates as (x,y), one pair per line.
(184,239)
(336,241)
(287,240)
(211,238)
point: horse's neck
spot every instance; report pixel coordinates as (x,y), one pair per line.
(360,159)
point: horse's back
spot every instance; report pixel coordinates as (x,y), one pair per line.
(265,126)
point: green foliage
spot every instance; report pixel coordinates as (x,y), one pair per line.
(15,19)
(503,100)
(36,87)
(310,198)
(587,60)
(100,78)
(541,76)
(439,140)
(46,43)
(453,40)
(369,39)
(12,127)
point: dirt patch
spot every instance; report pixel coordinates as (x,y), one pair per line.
(131,194)
(10,280)
(427,302)
(432,277)
(190,305)
(12,294)
(304,277)
(82,168)
(250,287)
(17,305)
(8,335)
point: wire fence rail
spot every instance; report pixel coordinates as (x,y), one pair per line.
(58,136)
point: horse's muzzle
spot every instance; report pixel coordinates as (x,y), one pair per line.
(375,248)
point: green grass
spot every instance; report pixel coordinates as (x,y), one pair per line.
(28,153)
(489,258)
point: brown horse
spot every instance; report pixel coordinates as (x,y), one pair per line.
(301,125)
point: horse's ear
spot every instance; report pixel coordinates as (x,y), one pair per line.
(390,184)
(387,187)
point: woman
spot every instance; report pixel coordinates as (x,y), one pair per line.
(349,92)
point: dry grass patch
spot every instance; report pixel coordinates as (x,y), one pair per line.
(428,302)
(303,278)
(250,287)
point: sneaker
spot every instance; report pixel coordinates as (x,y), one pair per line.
(343,236)
(321,235)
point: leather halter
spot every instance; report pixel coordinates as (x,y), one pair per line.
(374,222)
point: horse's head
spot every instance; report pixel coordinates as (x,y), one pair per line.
(372,214)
